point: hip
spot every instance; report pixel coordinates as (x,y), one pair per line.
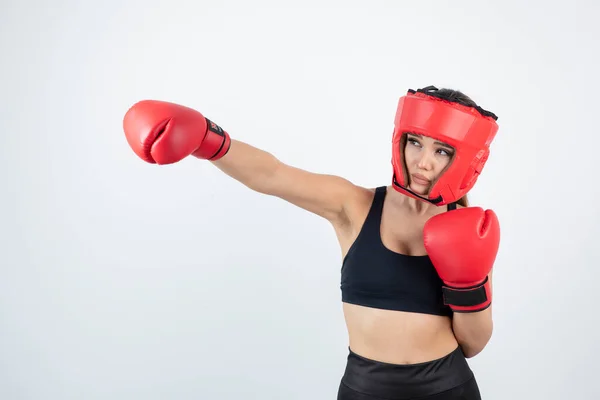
(367,377)
(404,349)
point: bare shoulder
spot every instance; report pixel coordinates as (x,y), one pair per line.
(360,196)
(358,204)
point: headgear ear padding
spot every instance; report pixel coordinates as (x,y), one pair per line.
(469,130)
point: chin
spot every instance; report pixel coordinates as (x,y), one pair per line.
(420,190)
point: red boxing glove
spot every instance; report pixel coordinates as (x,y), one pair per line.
(165,133)
(462,245)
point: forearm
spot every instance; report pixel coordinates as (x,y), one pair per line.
(473,330)
(249,165)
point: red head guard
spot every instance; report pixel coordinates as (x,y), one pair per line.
(470,130)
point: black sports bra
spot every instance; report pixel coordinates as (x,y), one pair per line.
(374,276)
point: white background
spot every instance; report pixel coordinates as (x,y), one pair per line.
(125,280)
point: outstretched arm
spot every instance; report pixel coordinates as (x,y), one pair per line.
(321,194)
(164,133)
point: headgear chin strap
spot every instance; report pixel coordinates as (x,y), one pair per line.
(469,130)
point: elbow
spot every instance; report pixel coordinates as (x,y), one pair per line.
(265,179)
(472,349)
(257,181)
(473,339)
(475,345)
(471,352)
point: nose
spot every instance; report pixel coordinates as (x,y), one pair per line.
(426,161)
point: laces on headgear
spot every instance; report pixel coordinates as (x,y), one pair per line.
(432,91)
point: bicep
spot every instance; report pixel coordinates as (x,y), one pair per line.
(321,194)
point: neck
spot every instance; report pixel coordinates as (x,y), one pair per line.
(419,206)
(415,206)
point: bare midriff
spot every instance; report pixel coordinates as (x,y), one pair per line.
(398,337)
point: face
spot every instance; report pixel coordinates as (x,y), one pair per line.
(425,159)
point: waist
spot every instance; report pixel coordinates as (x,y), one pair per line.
(403,381)
(398,337)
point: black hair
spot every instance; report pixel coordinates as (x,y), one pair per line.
(454,96)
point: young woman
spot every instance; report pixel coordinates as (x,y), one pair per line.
(417,260)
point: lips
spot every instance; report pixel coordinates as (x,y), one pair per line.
(420,179)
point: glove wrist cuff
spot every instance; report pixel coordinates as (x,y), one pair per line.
(216,143)
(468,299)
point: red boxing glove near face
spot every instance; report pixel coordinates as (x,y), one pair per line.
(462,245)
(164,133)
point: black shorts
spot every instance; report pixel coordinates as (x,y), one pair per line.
(449,377)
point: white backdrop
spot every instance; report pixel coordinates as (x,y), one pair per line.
(124,280)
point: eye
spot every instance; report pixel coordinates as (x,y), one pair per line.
(414,142)
(445,153)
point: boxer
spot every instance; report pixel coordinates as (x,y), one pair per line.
(416,277)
